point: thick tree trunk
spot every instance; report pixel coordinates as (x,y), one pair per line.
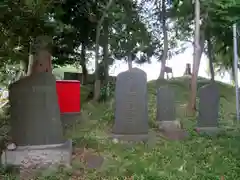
(196,61)
(40,59)
(30,64)
(105,51)
(22,71)
(129,60)
(210,57)
(200,51)
(97,84)
(83,63)
(85,74)
(97,81)
(193,85)
(165,41)
(30,60)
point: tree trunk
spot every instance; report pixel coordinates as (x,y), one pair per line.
(83,63)
(84,73)
(105,51)
(192,102)
(40,58)
(200,50)
(165,41)
(30,60)
(22,71)
(97,84)
(97,80)
(129,60)
(196,61)
(30,64)
(210,57)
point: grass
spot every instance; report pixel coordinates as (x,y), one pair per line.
(197,158)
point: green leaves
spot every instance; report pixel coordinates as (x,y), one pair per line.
(218,17)
(19,22)
(129,35)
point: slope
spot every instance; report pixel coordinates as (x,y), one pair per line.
(197,158)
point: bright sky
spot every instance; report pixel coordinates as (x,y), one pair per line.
(177,63)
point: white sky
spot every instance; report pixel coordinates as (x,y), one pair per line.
(177,63)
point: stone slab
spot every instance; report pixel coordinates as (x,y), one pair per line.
(166,110)
(176,134)
(131,137)
(91,159)
(208,130)
(168,125)
(39,156)
(35,115)
(131,108)
(208,107)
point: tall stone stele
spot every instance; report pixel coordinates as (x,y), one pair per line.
(208,116)
(35,115)
(131,109)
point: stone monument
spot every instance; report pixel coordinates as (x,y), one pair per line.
(169,126)
(166,113)
(208,108)
(131,111)
(35,117)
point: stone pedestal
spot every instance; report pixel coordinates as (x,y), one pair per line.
(208,130)
(169,125)
(40,156)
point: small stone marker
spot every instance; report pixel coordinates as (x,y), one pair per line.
(169,127)
(175,134)
(208,108)
(166,113)
(91,159)
(131,111)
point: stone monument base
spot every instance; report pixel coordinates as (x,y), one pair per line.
(39,156)
(208,130)
(130,137)
(169,125)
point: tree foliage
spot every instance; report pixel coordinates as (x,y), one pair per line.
(20,22)
(133,29)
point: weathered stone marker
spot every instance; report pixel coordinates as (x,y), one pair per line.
(208,108)
(166,113)
(131,111)
(165,104)
(169,126)
(35,115)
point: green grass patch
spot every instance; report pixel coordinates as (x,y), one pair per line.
(197,158)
